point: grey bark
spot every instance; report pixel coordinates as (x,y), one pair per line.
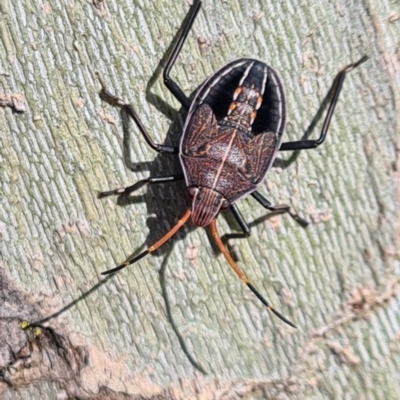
(179,324)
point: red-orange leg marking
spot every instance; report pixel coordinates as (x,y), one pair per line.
(240,274)
(182,221)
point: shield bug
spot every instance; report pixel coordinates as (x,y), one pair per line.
(231,137)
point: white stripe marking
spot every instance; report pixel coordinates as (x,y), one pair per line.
(246,73)
(218,78)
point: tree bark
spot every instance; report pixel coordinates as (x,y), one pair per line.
(179,324)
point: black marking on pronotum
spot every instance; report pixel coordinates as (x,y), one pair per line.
(232,134)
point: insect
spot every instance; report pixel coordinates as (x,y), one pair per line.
(231,137)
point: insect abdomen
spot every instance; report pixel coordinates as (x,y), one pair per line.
(247,97)
(219,92)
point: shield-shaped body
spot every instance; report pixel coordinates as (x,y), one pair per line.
(232,134)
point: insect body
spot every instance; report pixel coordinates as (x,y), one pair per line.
(223,154)
(230,139)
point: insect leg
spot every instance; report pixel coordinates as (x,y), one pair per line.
(182,221)
(242,223)
(138,185)
(186,26)
(278,209)
(263,201)
(241,275)
(333,94)
(115,101)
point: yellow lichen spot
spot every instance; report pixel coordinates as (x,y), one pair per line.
(24,325)
(37,331)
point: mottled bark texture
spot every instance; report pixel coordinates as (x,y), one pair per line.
(179,324)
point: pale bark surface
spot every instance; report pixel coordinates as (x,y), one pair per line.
(179,324)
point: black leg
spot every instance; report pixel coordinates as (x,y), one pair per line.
(187,25)
(138,185)
(334,95)
(262,200)
(242,223)
(278,209)
(115,101)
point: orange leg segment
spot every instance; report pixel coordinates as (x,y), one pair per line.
(182,221)
(240,274)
